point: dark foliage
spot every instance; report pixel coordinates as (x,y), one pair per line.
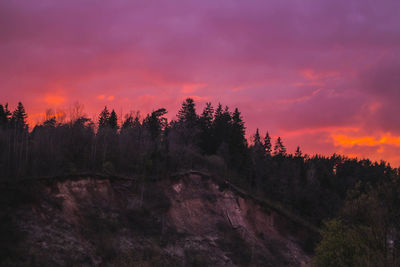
(153,148)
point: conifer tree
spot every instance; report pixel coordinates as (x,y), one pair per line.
(267,145)
(187,113)
(237,141)
(19,117)
(155,122)
(258,146)
(257,139)
(221,127)
(103,118)
(128,123)
(298,153)
(238,128)
(279,148)
(3,117)
(207,116)
(206,123)
(218,111)
(113,121)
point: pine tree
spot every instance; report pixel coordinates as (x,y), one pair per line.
(237,141)
(221,127)
(206,123)
(19,117)
(267,145)
(8,113)
(257,139)
(298,153)
(128,123)
(50,123)
(103,118)
(258,146)
(187,113)
(218,111)
(3,117)
(155,122)
(207,116)
(279,148)
(238,128)
(113,121)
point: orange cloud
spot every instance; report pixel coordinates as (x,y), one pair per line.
(102,97)
(346,141)
(54,99)
(192,87)
(197,98)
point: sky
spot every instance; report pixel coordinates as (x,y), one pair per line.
(324,75)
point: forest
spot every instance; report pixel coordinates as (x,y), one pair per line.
(355,202)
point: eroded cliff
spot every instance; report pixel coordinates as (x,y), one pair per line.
(185,221)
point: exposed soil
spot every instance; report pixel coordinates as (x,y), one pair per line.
(183,222)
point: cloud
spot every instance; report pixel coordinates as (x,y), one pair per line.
(348,141)
(304,70)
(54,99)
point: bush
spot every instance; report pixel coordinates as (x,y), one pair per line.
(337,247)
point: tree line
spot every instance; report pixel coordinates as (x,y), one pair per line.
(314,187)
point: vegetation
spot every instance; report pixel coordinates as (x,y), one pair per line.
(356,201)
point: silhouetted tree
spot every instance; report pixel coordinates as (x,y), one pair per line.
(258,146)
(267,145)
(155,122)
(238,142)
(221,127)
(279,148)
(113,120)
(5,116)
(298,152)
(187,113)
(104,118)
(312,187)
(128,122)
(206,123)
(18,119)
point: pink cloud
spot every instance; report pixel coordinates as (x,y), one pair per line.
(302,70)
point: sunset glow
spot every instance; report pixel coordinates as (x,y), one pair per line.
(324,75)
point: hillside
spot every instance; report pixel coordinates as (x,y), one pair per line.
(187,220)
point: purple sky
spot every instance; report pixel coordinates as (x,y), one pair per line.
(324,75)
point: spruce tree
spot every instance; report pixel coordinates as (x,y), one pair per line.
(155,122)
(206,123)
(267,145)
(237,142)
(298,153)
(128,123)
(103,118)
(258,146)
(3,117)
(257,139)
(238,128)
(187,113)
(113,120)
(279,148)
(221,127)
(207,116)
(19,117)
(218,111)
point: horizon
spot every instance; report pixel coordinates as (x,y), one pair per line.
(324,76)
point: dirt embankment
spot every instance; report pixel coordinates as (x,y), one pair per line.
(186,221)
